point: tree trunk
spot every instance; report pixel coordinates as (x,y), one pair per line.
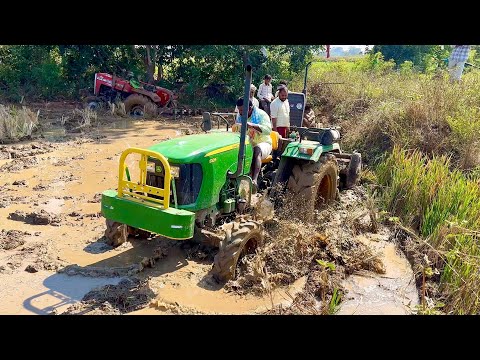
(150,64)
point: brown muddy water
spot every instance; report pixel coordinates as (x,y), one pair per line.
(65,183)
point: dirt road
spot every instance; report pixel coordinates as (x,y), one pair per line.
(51,230)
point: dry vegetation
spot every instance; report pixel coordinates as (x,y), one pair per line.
(419,135)
(16,124)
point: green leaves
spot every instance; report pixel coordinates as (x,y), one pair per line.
(326,264)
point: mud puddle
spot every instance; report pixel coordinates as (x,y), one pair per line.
(392,293)
(43,292)
(69,178)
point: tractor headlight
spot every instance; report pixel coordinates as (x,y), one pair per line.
(306,151)
(151,167)
(154,168)
(175,171)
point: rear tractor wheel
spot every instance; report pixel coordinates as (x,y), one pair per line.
(138,105)
(243,238)
(312,186)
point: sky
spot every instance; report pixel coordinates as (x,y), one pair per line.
(346,47)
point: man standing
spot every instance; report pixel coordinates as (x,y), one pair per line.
(457,61)
(265,93)
(280,112)
(281,82)
(259,129)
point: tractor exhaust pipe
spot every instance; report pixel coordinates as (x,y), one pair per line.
(243,131)
(304,91)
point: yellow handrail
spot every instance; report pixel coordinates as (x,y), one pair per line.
(142,186)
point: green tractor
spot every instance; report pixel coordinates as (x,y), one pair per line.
(197,187)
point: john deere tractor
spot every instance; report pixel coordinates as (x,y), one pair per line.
(197,186)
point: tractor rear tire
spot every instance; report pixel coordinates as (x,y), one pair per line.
(136,105)
(116,233)
(243,238)
(312,186)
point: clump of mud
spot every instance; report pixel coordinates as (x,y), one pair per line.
(21,151)
(82,309)
(7,200)
(129,295)
(19,164)
(20,183)
(96,198)
(40,187)
(12,239)
(41,217)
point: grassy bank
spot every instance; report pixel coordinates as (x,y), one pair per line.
(379,108)
(420,135)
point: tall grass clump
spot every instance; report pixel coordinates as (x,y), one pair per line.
(443,206)
(16,124)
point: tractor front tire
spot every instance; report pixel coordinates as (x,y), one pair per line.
(136,105)
(242,238)
(312,186)
(92,103)
(116,233)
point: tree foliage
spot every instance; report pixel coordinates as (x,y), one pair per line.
(422,56)
(52,71)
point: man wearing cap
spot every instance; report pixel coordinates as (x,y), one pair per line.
(259,129)
(280,112)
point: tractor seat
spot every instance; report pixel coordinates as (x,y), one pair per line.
(275,136)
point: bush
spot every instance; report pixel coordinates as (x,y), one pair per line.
(16,124)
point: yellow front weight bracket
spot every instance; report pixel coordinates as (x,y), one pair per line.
(140,189)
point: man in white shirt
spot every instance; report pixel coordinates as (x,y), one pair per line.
(281,82)
(265,94)
(280,112)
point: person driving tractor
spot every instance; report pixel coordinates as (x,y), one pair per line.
(259,129)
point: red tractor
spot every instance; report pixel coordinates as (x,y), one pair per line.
(136,95)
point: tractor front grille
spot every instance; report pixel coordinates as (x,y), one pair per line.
(187,184)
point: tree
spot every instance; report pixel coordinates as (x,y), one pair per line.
(420,55)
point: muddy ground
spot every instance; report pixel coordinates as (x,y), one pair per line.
(54,260)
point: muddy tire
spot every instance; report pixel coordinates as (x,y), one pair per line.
(243,238)
(136,105)
(93,103)
(134,232)
(116,233)
(353,170)
(312,186)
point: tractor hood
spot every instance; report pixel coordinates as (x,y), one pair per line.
(187,148)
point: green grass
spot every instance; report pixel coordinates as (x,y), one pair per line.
(419,135)
(443,206)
